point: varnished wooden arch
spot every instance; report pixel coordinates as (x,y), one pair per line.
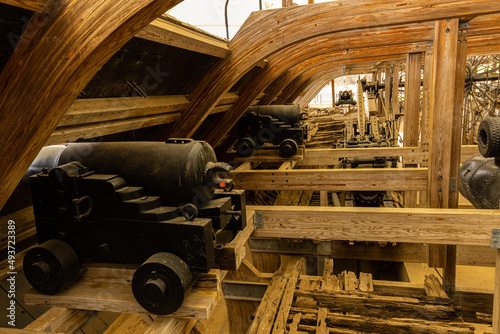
(55,59)
(267,32)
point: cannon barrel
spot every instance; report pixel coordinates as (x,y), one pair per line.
(289,113)
(180,171)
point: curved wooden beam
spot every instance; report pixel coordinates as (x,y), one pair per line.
(293,90)
(310,92)
(342,44)
(357,55)
(38,6)
(54,60)
(266,32)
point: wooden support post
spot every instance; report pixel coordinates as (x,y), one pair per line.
(387,93)
(412,98)
(496,300)
(412,112)
(323,198)
(286,3)
(445,119)
(395,91)
(456,145)
(333,93)
(424,126)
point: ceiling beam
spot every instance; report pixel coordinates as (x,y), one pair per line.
(170,31)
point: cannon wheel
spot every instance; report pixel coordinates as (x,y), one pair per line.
(288,148)
(488,137)
(51,266)
(159,284)
(246,147)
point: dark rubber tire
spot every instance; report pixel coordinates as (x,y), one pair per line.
(160,283)
(245,147)
(51,266)
(488,137)
(288,148)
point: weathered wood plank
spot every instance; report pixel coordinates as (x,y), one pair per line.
(286,301)
(365,324)
(332,179)
(60,320)
(496,300)
(92,292)
(330,157)
(170,31)
(435,226)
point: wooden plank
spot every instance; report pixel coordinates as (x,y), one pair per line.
(496,300)
(411,133)
(434,226)
(127,324)
(358,179)
(395,90)
(295,323)
(92,292)
(89,118)
(286,302)
(266,312)
(84,111)
(92,130)
(56,60)
(170,31)
(38,6)
(365,282)
(433,288)
(380,306)
(4,330)
(330,157)
(367,324)
(23,218)
(60,320)
(321,321)
(412,99)
(168,325)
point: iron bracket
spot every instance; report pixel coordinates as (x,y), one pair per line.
(258,219)
(495,238)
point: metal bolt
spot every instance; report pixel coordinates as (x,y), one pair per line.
(447,30)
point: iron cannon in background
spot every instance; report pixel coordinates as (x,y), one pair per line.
(159,205)
(480,175)
(276,125)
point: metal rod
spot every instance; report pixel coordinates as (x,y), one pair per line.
(225,16)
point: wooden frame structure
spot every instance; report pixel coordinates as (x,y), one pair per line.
(67,42)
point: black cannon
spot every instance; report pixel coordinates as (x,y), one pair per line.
(160,205)
(480,175)
(345,97)
(277,125)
